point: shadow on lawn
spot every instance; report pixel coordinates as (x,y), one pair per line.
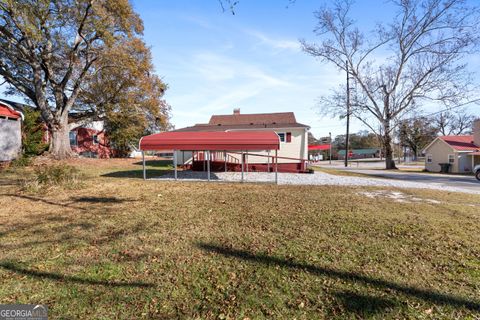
(424,294)
(136,173)
(64,278)
(155,168)
(364,304)
(156,163)
(68,205)
(101,199)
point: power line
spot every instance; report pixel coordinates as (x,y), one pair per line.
(454,107)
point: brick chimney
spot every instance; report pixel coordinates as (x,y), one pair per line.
(476,132)
(236,111)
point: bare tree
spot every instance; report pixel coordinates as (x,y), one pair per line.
(425,44)
(453,123)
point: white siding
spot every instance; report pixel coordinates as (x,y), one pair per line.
(464,162)
(10,139)
(440,151)
(296,149)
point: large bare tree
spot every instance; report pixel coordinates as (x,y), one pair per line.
(50,48)
(453,122)
(417,58)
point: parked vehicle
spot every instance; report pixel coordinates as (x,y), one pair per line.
(476,170)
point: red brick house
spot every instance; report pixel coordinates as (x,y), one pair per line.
(90,143)
(87,139)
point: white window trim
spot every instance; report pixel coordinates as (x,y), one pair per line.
(429,156)
(453,156)
(284,137)
(76,138)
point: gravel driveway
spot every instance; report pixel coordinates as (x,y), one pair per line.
(317,178)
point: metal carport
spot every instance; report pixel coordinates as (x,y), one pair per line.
(242,141)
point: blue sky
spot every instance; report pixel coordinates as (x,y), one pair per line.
(214,61)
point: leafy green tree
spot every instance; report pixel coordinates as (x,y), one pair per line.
(49,50)
(33,133)
(416,134)
(127,95)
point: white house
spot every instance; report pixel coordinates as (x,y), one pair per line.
(461,152)
(293,153)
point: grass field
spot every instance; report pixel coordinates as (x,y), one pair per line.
(118,247)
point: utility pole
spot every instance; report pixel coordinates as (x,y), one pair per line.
(330,151)
(348,115)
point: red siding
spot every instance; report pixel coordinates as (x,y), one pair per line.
(86,144)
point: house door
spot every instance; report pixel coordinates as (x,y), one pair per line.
(476,160)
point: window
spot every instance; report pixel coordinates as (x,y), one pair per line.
(281,135)
(429,158)
(73,138)
(95,139)
(289,137)
(451,158)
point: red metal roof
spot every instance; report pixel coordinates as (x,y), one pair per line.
(207,140)
(255,118)
(7,111)
(461,143)
(319,147)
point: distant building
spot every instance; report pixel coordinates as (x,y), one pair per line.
(360,153)
(461,152)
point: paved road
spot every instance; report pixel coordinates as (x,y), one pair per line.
(468,182)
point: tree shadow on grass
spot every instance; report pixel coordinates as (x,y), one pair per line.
(419,293)
(13,267)
(156,163)
(155,168)
(364,305)
(22,196)
(101,199)
(138,174)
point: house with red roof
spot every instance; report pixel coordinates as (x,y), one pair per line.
(461,152)
(293,136)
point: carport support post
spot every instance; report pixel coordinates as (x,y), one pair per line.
(175,162)
(268,161)
(208,165)
(242,165)
(276,167)
(144,169)
(225,157)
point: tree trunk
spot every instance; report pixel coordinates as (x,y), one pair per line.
(387,145)
(60,142)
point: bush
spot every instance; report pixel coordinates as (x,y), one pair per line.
(32,133)
(21,161)
(53,176)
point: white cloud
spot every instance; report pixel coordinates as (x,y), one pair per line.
(278,44)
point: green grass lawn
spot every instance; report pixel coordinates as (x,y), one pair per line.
(119,247)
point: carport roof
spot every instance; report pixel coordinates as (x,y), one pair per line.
(198,141)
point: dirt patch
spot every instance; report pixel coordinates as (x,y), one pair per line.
(396,196)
